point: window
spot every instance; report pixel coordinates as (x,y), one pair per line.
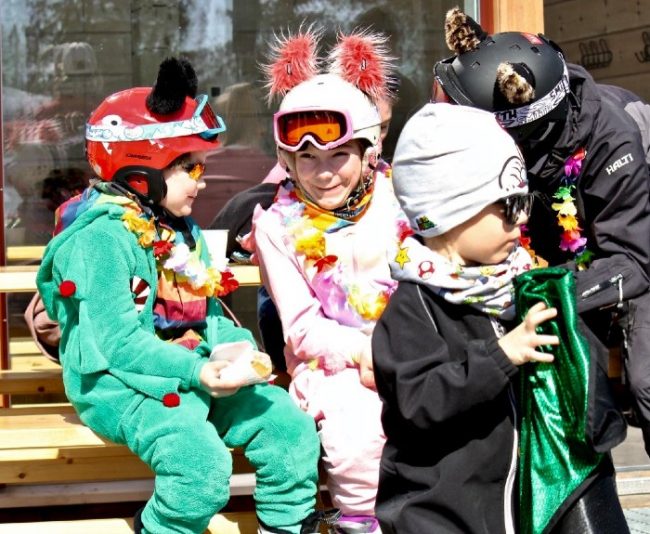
(61,58)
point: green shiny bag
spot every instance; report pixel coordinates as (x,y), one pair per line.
(568,418)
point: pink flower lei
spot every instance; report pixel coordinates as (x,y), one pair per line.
(571,239)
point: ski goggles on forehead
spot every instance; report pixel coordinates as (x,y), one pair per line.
(325,129)
(214,124)
(204,123)
(514,205)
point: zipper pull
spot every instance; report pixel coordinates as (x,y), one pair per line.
(614,280)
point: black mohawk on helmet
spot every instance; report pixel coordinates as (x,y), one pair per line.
(176,80)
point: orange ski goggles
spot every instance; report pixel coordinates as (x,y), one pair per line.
(325,129)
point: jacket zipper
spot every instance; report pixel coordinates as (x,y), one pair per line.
(614,280)
(508,520)
(512,472)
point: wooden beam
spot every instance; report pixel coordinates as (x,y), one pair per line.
(25,253)
(515,15)
(22,278)
(109,491)
(31,382)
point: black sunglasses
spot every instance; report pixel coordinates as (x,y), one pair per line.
(514,205)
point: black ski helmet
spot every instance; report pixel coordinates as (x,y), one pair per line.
(473,78)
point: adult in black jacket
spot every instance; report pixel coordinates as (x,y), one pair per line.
(558,115)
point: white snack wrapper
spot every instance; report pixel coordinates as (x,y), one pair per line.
(247,366)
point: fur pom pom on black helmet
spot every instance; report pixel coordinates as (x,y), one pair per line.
(522,78)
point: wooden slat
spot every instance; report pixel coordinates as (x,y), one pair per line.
(95,492)
(513,15)
(31,382)
(18,279)
(31,362)
(25,253)
(54,446)
(19,346)
(567,21)
(22,279)
(97,526)
(67,469)
(37,409)
(230,523)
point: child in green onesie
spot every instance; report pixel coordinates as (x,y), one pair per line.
(128,278)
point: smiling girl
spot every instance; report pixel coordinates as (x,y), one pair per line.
(322,252)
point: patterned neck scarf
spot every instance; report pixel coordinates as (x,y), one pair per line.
(487,288)
(354,207)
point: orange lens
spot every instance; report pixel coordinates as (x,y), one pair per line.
(325,127)
(194,170)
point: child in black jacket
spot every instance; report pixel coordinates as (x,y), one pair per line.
(448,349)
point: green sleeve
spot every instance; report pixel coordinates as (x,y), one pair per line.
(101,260)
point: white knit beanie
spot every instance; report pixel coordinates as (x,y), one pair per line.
(451,162)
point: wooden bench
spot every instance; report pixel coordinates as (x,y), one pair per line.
(47,444)
(49,458)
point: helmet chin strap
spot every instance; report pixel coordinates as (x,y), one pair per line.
(146,183)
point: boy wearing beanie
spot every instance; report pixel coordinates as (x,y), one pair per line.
(449,349)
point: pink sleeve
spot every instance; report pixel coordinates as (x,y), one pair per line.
(308,333)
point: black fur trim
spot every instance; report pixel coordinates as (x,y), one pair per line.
(176,80)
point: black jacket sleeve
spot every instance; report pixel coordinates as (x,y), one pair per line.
(615,186)
(415,371)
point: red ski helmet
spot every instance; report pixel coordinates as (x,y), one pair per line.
(128,143)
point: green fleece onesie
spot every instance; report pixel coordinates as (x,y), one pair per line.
(126,384)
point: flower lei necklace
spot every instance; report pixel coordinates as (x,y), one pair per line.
(307,228)
(177,257)
(572,238)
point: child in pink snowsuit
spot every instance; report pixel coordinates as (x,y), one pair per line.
(322,253)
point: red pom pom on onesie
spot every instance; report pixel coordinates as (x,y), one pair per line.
(171,400)
(67,288)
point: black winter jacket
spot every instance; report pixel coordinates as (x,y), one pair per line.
(613,190)
(448,415)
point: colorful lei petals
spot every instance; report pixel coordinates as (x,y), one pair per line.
(572,241)
(308,239)
(227,284)
(143,228)
(404,230)
(178,259)
(566,208)
(189,269)
(162,248)
(571,238)
(326,262)
(564,192)
(573,164)
(568,223)
(368,305)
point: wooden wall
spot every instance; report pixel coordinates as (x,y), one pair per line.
(611,38)
(513,15)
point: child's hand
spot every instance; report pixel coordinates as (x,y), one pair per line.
(520,344)
(212,382)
